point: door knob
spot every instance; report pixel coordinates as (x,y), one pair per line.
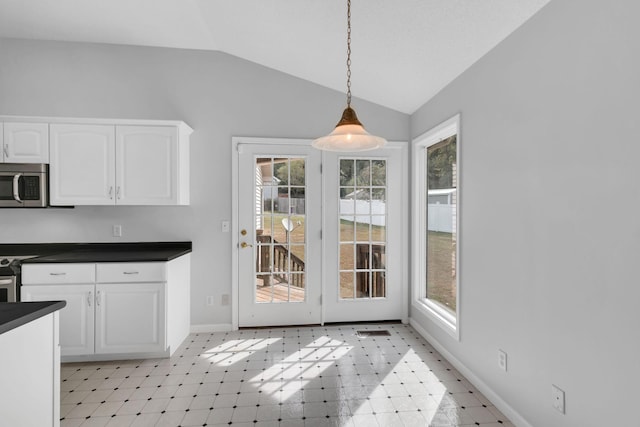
(245,245)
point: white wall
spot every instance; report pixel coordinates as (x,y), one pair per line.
(220,96)
(551,117)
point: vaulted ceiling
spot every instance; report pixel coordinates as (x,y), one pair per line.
(404,51)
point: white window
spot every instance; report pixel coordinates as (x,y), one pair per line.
(435,221)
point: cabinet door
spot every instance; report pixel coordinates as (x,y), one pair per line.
(26,143)
(146,165)
(82,169)
(76,318)
(130,318)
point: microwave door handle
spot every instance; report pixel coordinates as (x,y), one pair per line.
(16,187)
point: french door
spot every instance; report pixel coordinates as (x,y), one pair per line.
(319,236)
(364,229)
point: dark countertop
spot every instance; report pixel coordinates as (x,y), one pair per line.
(15,314)
(97,252)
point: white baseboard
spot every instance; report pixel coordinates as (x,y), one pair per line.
(205,329)
(493,397)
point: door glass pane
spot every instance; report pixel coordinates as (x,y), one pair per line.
(346,257)
(264,289)
(441,223)
(280,230)
(297,173)
(363,173)
(346,284)
(347,170)
(362,222)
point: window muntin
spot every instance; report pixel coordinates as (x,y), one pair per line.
(363,240)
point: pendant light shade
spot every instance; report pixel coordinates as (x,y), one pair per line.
(349,134)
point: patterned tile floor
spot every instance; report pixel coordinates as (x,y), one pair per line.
(297,376)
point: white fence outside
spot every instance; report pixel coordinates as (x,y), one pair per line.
(365,211)
(440,216)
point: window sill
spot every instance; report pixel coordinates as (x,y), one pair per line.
(439,316)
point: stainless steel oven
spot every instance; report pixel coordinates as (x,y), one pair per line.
(8,288)
(23,185)
(10,277)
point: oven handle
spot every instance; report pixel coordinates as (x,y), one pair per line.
(6,281)
(16,191)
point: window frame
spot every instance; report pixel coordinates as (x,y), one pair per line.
(433,311)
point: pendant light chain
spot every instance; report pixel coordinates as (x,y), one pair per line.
(349,134)
(348,53)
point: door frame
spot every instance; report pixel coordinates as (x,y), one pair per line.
(235,200)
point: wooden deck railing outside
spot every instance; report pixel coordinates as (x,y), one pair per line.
(281,256)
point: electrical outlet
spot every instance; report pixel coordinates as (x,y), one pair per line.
(557,396)
(225,299)
(117,231)
(226,226)
(210,300)
(502,360)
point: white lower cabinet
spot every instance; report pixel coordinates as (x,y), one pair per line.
(76,319)
(130,318)
(125,311)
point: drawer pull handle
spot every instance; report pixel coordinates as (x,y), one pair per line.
(98,298)
(89,299)
(58,274)
(131,272)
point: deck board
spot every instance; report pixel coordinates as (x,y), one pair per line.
(263,293)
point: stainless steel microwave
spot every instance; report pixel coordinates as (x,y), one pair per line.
(23,185)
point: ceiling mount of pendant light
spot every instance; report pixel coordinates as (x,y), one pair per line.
(349,134)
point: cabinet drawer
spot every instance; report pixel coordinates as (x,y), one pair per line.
(127,272)
(44,274)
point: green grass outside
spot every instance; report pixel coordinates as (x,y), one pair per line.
(441,274)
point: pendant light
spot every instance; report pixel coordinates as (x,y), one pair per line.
(349,134)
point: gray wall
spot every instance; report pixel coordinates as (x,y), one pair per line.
(218,95)
(549,272)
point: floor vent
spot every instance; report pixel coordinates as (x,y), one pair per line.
(378,333)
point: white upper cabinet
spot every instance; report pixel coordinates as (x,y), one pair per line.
(147,166)
(25,143)
(82,169)
(119,164)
